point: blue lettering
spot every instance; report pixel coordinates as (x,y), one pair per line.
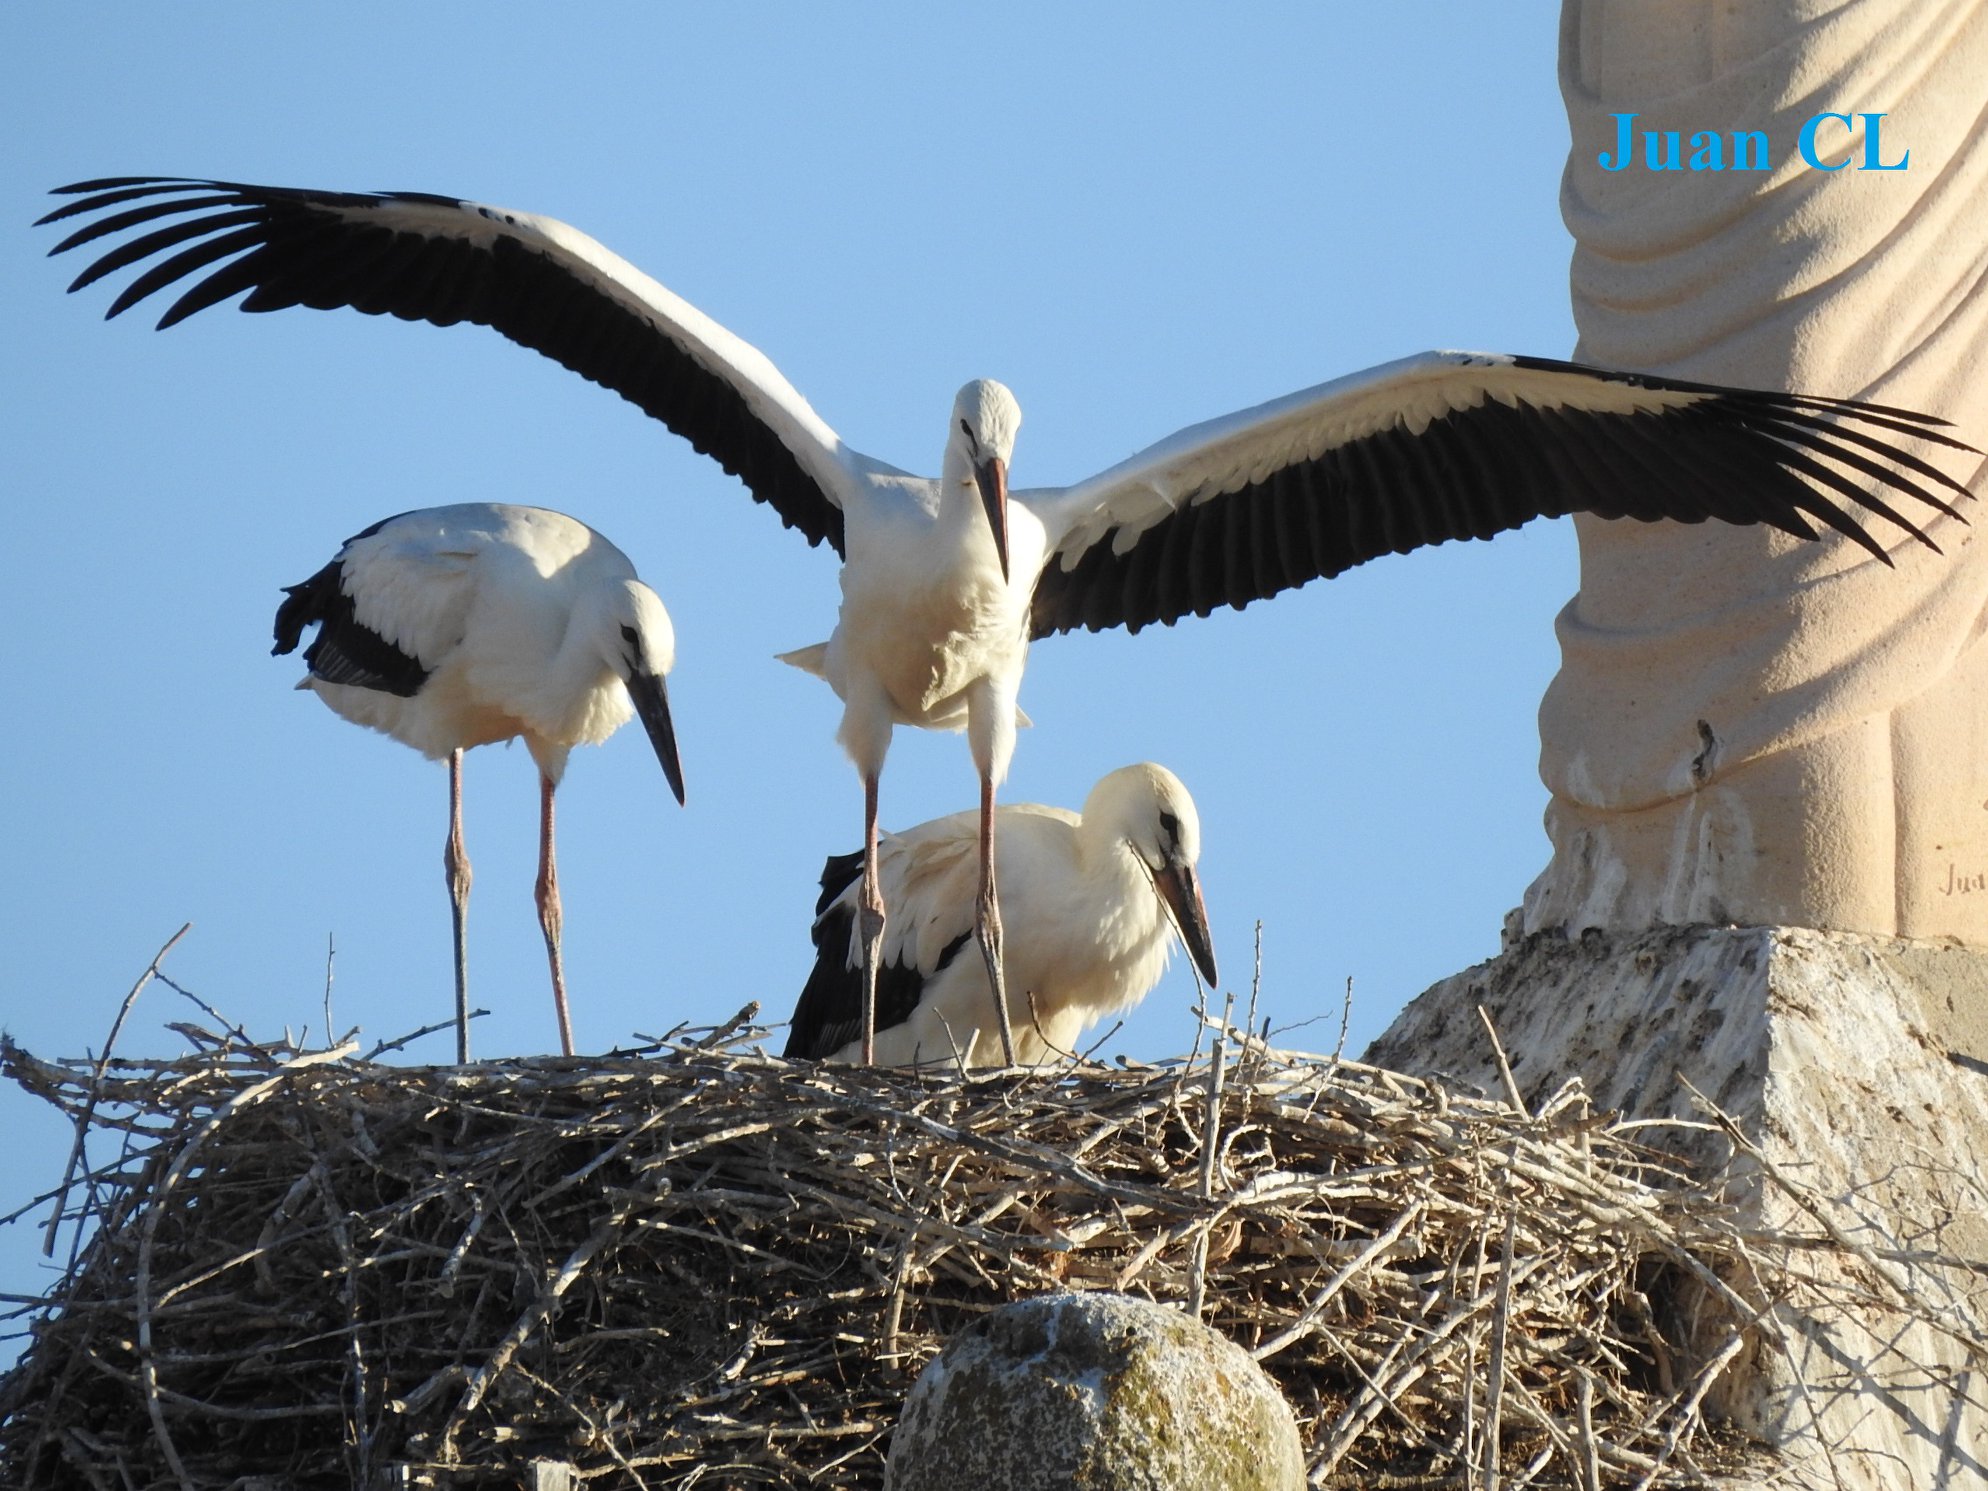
(1806,144)
(1671,147)
(1706,152)
(1754,140)
(1874,148)
(1623,150)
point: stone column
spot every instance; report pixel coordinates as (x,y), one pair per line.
(1748,728)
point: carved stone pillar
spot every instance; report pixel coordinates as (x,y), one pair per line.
(1748,728)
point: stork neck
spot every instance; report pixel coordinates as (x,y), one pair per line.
(1114,893)
(959,495)
(1105,851)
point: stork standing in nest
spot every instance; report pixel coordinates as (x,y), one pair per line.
(454,627)
(945,580)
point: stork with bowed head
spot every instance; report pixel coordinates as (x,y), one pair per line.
(454,627)
(945,581)
(1094,904)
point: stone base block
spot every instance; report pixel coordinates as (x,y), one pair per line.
(1855,1072)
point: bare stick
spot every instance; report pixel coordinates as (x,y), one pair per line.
(1345,1020)
(1901,1285)
(96,1086)
(1590,1459)
(1255,978)
(1687,1411)
(228,1026)
(1500,1326)
(540,1309)
(723,1033)
(1210,1136)
(1090,1052)
(414,1035)
(330,955)
(1504,1066)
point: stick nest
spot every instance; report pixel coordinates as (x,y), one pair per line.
(706,1266)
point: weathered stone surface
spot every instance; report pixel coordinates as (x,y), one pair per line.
(1858,1066)
(1747,727)
(1094,1392)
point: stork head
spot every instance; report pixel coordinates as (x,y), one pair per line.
(986,419)
(1147,808)
(641,648)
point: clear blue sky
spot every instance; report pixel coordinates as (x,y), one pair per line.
(1135,216)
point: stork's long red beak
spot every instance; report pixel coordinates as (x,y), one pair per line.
(1180,888)
(991,476)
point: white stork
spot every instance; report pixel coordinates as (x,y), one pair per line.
(454,627)
(1092,906)
(946,580)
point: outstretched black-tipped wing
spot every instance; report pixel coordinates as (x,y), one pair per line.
(541,283)
(1458,445)
(829,1014)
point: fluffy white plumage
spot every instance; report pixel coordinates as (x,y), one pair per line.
(454,627)
(931,632)
(527,623)
(1091,903)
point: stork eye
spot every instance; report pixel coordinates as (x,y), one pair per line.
(971,438)
(632,647)
(1170,826)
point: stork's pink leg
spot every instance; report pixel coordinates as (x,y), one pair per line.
(987,921)
(455,861)
(870,920)
(548,911)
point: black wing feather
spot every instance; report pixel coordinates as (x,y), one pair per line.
(1741,456)
(346,650)
(829,1013)
(302,251)
(147,244)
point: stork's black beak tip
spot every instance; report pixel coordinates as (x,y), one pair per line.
(1180,888)
(652,705)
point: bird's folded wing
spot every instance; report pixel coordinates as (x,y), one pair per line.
(413,587)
